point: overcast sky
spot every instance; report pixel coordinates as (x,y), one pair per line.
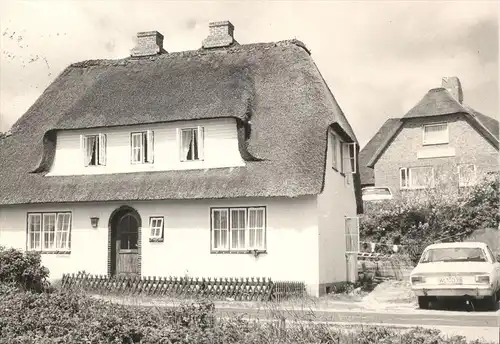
(379,58)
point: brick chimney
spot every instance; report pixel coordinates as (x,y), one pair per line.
(452,84)
(221,34)
(148,43)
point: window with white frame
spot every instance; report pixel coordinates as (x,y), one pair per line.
(335,151)
(156,228)
(142,147)
(191,143)
(344,156)
(238,229)
(435,134)
(348,154)
(352,244)
(94,149)
(421,177)
(48,232)
(466,174)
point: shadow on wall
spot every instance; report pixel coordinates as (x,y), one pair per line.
(490,236)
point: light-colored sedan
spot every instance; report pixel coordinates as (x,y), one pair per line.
(467,270)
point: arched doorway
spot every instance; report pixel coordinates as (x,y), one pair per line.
(124,249)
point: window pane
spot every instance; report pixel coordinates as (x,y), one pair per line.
(238,224)
(256,227)
(404,182)
(435,133)
(49,230)
(216,238)
(220,229)
(34,229)
(186,138)
(195,144)
(91,149)
(421,176)
(144,146)
(62,234)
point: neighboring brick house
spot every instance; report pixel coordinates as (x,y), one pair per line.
(440,141)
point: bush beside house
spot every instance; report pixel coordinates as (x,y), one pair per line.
(429,216)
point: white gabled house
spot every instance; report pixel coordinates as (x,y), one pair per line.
(227,161)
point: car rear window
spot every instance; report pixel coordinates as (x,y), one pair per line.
(454,254)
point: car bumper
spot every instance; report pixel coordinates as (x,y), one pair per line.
(461,291)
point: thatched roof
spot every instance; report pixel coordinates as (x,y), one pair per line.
(366,173)
(274,90)
(437,102)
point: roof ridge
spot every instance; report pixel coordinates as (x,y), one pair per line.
(189,53)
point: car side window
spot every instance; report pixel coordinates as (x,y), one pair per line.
(493,259)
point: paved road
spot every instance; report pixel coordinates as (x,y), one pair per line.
(415,318)
(473,325)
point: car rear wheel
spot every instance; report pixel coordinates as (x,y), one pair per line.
(491,302)
(423,302)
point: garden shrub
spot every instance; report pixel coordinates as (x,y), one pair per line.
(70,317)
(424,217)
(23,269)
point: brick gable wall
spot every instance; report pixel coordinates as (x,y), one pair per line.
(469,145)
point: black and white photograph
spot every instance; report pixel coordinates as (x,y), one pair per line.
(268,171)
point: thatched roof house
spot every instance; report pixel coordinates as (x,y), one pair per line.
(274,90)
(436,103)
(274,178)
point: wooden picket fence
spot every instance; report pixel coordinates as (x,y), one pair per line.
(241,289)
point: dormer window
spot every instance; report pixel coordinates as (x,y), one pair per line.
(142,147)
(94,149)
(433,134)
(191,143)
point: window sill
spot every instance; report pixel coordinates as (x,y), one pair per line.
(237,252)
(335,169)
(191,161)
(141,163)
(51,252)
(156,239)
(435,144)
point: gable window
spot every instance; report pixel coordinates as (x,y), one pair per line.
(416,177)
(335,151)
(343,155)
(142,147)
(94,149)
(433,134)
(156,229)
(191,143)
(49,232)
(349,157)
(238,229)
(466,174)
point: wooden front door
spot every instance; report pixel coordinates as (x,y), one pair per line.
(126,245)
